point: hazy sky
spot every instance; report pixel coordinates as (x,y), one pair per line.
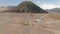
(45,4)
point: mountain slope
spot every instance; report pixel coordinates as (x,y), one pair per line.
(29,7)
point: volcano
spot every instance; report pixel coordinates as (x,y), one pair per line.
(29,7)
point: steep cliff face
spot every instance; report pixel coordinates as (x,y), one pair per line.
(29,7)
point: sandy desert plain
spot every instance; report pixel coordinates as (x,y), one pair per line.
(23,23)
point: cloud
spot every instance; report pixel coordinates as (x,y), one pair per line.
(48,6)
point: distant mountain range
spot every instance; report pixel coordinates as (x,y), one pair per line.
(56,10)
(5,8)
(25,7)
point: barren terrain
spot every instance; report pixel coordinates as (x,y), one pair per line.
(18,23)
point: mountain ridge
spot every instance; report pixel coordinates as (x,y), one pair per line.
(56,10)
(29,7)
